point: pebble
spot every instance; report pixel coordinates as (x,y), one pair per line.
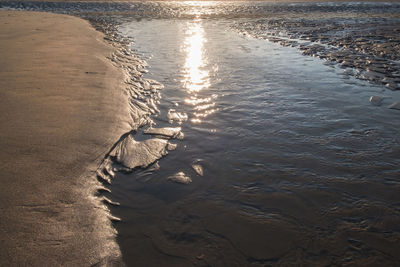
(376,100)
(180,178)
(198,169)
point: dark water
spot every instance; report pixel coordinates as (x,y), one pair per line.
(297,166)
(284,159)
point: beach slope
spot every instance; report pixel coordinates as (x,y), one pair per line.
(62,107)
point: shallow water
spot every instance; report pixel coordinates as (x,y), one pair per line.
(288,160)
(254,154)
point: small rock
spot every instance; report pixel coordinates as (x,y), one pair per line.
(198,169)
(376,100)
(180,178)
(200,257)
(392,86)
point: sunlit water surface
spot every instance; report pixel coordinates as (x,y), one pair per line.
(289,161)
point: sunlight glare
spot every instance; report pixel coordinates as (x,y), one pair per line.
(196,77)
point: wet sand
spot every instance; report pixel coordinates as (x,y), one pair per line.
(62,107)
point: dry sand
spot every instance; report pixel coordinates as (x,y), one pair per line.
(62,107)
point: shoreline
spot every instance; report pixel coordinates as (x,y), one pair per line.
(63,106)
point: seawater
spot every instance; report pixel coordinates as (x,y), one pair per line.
(263,147)
(289,161)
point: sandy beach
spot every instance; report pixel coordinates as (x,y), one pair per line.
(62,108)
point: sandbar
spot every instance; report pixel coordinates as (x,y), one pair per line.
(62,106)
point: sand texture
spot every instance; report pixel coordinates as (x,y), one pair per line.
(62,107)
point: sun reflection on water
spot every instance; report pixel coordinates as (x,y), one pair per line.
(199,8)
(196,76)
(196,73)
